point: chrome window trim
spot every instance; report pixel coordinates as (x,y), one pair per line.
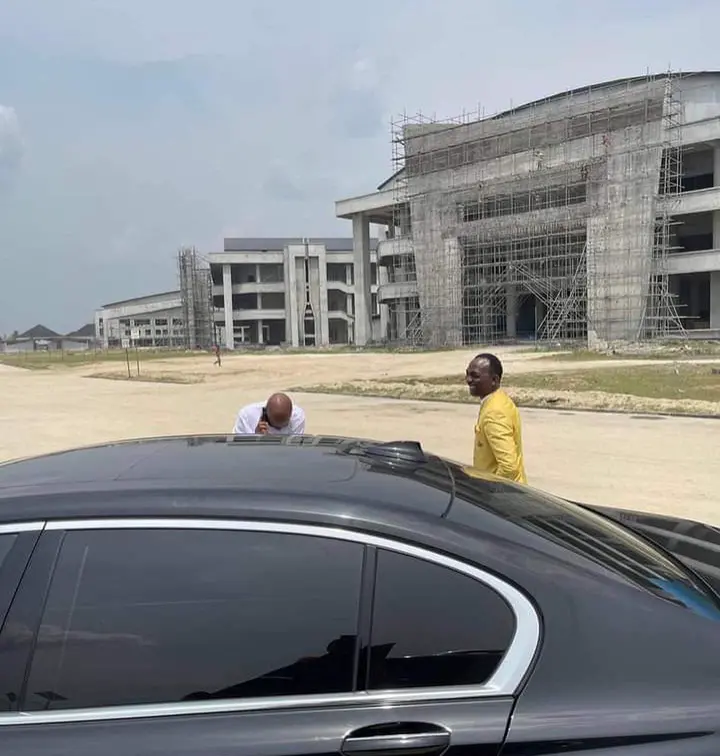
(21,527)
(504,683)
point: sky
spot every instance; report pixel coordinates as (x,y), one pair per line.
(129,128)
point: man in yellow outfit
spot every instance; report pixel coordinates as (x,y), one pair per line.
(498,435)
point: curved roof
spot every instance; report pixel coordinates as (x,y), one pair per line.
(606,85)
(588,88)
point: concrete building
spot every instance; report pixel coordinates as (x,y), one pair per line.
(155,320)
(296,292)
(592,215)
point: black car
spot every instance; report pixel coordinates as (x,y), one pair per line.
(275,596)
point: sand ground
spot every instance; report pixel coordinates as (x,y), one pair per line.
(655,464)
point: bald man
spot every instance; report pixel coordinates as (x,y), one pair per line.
(276,416)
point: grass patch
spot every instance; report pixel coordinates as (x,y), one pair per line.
(58,359)
(673,350)
(676,381)
(177,378)
(680,388)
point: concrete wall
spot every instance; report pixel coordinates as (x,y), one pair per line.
(619,214)
(620,236)
(293,287)
(715,299)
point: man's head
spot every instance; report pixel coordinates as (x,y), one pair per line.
(483,375)
(279,409)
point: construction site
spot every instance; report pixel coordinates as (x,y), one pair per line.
(561,220)
(196,299)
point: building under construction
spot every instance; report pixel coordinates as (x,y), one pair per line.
(591,216)
(196,299)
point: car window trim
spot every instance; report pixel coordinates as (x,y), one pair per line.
(21,527)
(504,683)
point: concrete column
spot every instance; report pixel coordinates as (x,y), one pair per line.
(361,261)
(511,311)
(292,332)
(716,164)
(227,306)
(260,331)
(257,272)
(384,309)
(715,299)
(323,326)
(716,229)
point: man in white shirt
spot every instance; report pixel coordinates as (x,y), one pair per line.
(276,416)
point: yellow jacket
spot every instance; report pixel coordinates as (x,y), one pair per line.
(498,438)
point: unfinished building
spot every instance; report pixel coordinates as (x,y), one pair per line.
(196,299)
(591,216)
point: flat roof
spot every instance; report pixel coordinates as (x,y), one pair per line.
(278,243)
(140,299)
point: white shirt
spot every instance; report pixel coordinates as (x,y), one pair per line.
(249,416)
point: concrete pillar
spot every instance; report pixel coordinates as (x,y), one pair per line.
(511,311)
(323,326)
(361,261)
(716,164)
(292,327)
(715,299)
(260,331)
(228,307)
(716,229)
(384,311)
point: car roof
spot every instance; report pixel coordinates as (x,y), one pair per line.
(396,474)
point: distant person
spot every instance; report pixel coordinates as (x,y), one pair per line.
(276,416)
(498,435)
(218,356)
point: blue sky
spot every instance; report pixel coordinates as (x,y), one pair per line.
(128,128)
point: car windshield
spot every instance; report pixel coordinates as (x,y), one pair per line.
(588,534)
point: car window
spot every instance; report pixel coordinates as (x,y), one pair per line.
(583,532)
(433,626)
(7,541)
(157,616)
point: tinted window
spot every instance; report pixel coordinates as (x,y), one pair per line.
(586,533)
(7,541)
(434,626)
(146,616)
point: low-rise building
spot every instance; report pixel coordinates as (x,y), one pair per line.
(299,292)
(155,320)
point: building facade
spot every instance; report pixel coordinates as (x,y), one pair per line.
(592,215)
(155,320)
(296,292)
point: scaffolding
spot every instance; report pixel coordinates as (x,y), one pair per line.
(197,299)
(553,221)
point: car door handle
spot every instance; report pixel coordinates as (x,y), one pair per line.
(429,743)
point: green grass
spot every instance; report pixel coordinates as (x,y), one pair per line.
(56,358)
(666,382)
(176,378)
(675,381)
(671,350)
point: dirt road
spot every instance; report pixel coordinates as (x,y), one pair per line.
(662,465)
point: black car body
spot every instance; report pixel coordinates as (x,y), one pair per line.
(274,596)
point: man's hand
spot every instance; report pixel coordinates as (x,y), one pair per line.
(262,427)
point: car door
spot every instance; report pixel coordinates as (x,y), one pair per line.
(232,638)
